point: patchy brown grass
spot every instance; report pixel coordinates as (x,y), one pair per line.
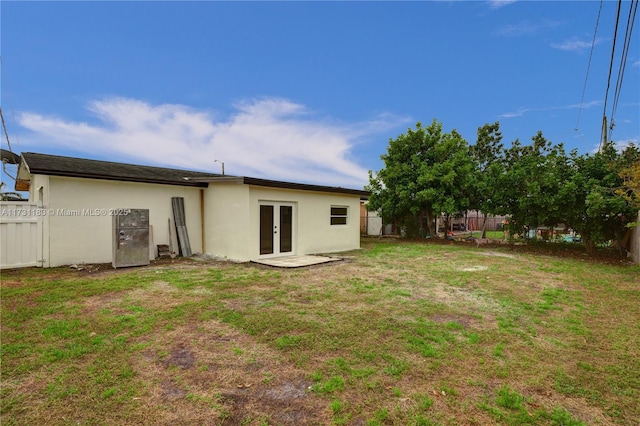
(211,374)
(398,333)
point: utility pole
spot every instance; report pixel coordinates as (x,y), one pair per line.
(604,133)
(218,161)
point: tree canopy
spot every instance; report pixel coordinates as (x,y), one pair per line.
(428,173)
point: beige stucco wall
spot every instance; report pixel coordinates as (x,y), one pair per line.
(39,194)
(232,220)
(226,221)
(88,238)
(313,232)
(231,217)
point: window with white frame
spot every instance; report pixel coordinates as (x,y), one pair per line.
(339,215)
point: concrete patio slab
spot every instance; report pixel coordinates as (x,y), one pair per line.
(296,261)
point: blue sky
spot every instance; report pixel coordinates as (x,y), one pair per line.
(304,91)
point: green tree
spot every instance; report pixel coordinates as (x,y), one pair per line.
(529,184)
(539,186)
(426,173)
(600,214)
(488,158)
(630,175)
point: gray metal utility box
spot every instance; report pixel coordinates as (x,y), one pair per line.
(130,237)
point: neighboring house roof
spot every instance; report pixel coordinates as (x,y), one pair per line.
(55,165)
(9,157)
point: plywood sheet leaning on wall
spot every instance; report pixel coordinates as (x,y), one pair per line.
(181,226)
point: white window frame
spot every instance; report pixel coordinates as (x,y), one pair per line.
(333,215)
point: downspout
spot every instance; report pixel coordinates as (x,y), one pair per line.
(202,227)
(42,219)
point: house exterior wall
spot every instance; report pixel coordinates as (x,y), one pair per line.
(226,221)
(78,227)
(222,220)
(232,220)
(39,194)
(312,213)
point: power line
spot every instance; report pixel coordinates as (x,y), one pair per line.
(633,8)
(8,101)
(584,88)
(603,137)
(4,127)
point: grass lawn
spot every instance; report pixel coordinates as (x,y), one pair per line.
(401,333)
(494,235)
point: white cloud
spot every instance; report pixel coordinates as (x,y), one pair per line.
(268,138)
(526,27)
(636,64)
(519,113)
(574,45)
(619,145)
(622,145)
(522,111)
(497,4)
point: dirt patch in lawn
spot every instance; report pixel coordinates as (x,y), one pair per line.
(212,374)
(94,304)
(283,403)
(159,295)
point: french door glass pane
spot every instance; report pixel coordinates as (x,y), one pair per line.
(266,229)
(286,229)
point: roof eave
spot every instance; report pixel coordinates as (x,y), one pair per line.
(304,186)
(187,182)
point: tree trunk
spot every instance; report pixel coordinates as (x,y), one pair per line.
(447,226)
(430,224)
(589,245)
(620,241)
(626,239)
(484,226)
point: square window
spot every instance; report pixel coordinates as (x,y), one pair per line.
(339,215)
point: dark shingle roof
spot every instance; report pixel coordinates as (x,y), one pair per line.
(303,186)
(55,165)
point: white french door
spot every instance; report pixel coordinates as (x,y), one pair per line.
(276,228)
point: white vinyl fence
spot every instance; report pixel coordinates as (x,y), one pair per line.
(20,235)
